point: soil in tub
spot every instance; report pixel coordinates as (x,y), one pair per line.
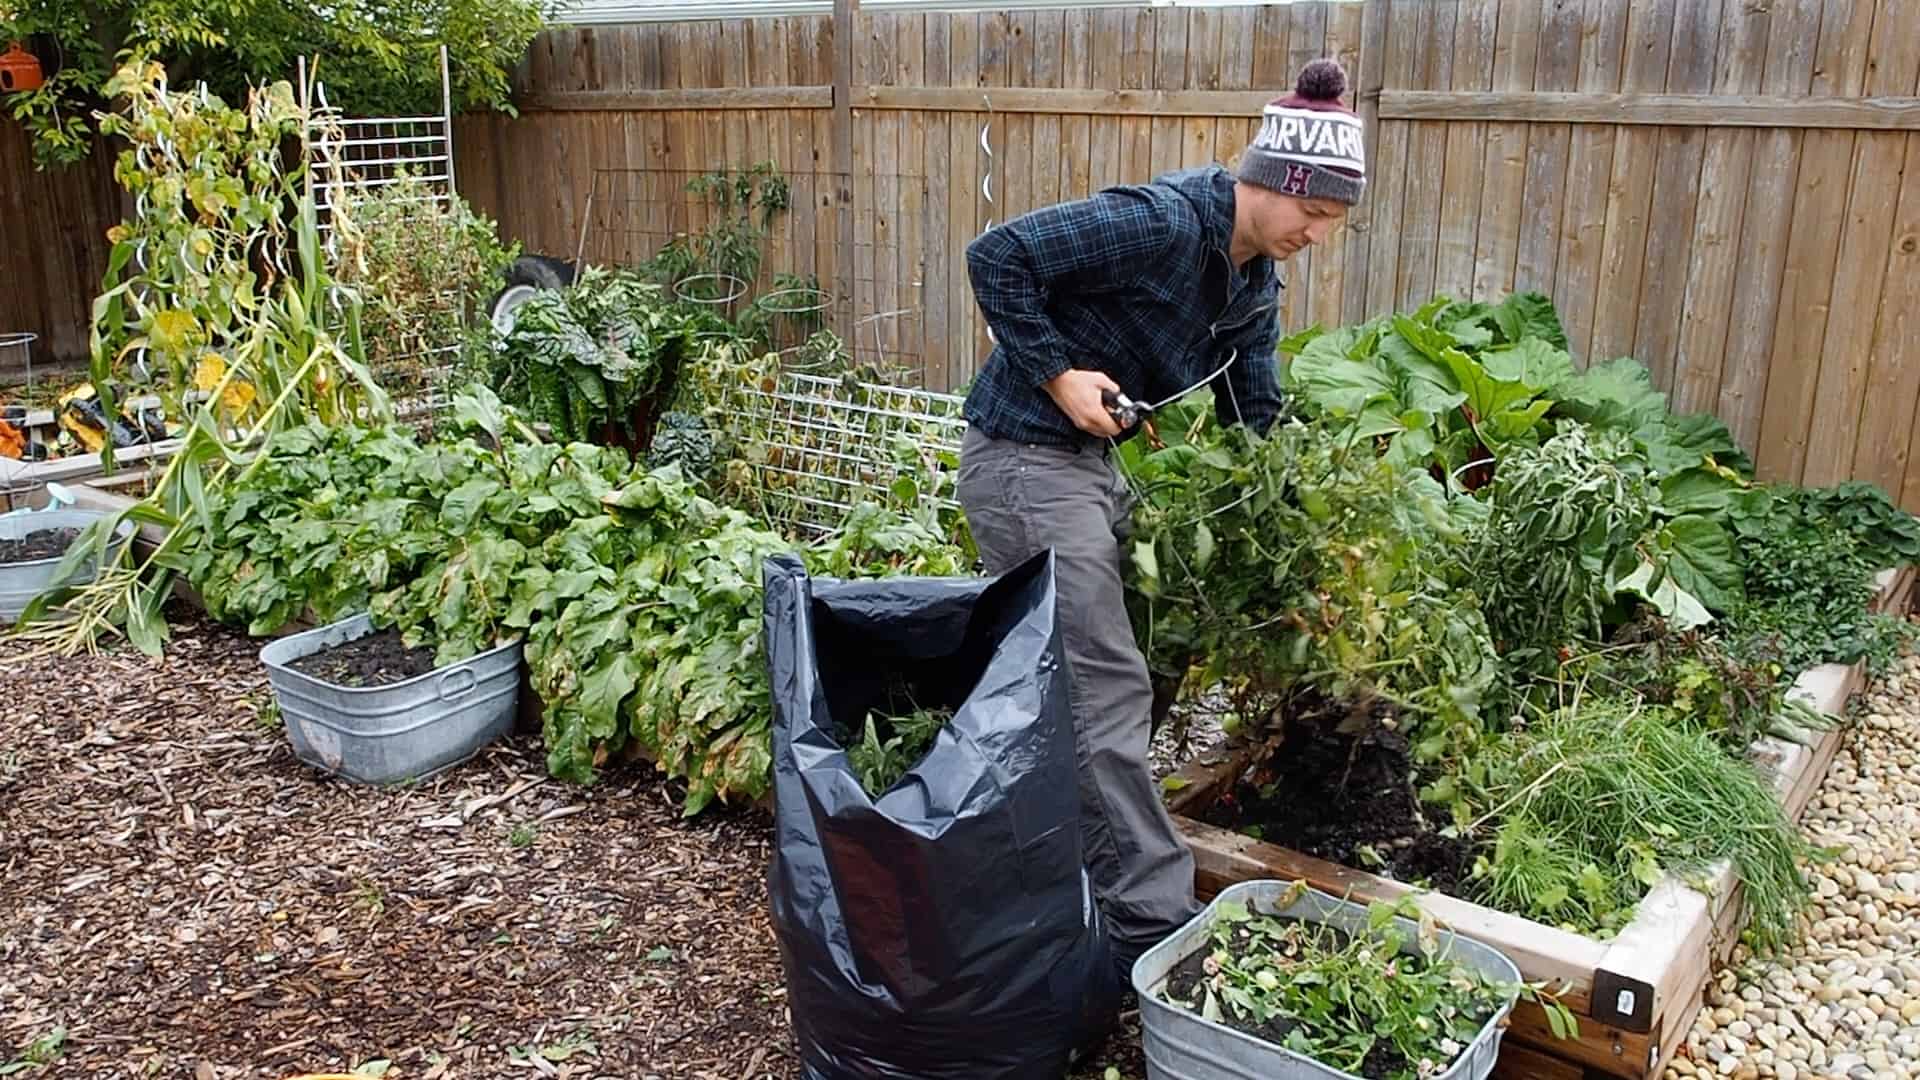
(378,659)
(45,544)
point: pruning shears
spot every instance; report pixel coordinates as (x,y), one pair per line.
(1127,412)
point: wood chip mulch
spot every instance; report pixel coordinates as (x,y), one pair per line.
(186,900)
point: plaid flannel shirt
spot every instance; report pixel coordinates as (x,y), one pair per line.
(1136,282)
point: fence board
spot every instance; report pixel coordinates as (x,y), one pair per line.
(1076,132)
(1765,230)
(1893,64)
(1556,68)
(1725,168)
(1623,259)
(1675,200)
(1419,222)
(1169,73)
(1819,217)
(1473,49)
(1328,261)
(1583,225)
(1370,76)
(1515,60)
(1388,176)
(1306,42)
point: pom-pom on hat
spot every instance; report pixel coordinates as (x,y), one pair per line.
(1310,145)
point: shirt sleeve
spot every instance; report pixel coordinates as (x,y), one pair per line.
(1094,243)
(1250,389)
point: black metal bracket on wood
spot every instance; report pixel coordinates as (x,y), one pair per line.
(1622,1002)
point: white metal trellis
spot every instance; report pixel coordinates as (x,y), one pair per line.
(359,154)
(824,443)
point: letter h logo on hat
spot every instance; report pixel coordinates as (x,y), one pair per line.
(1296,181)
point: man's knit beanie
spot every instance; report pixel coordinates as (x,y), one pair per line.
(1310,145)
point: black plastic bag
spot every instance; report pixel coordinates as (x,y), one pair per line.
(948,928)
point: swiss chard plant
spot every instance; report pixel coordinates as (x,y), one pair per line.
(581,358)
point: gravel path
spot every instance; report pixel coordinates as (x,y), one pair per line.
(1846,1001)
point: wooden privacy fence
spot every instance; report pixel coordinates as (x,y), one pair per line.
(1728,191)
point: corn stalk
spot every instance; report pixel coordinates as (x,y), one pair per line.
(214,299)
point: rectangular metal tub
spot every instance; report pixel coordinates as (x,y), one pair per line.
(1182,1045)
(403,731)
(21,582)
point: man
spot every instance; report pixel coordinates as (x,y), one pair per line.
(1142,290)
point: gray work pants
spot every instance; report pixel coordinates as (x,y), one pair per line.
(1020,499)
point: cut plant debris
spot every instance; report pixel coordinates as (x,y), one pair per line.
(1378,1003)
(891,745)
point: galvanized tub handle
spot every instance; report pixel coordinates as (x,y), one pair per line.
(456,683)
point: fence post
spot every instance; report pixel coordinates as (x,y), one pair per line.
(846,17)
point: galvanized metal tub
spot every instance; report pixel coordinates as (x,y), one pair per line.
(22,581)
(1182,1045)
(403,731)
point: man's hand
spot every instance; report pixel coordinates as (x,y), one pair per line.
(1077,392)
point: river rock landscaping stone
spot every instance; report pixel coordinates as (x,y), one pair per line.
(1838,1004)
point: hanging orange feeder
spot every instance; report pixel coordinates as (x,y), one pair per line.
(20,70)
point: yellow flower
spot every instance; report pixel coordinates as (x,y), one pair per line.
(119,234)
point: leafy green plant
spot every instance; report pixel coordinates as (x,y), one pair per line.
(741,207)
(684,439)
(1563,529)
(1702,683)
(1808,585)
(1600,797)
(881,761)
(1301,560)
(582,357)
(377,59)
(286,540)
(648,630)
(1376,1002)
(1448,386)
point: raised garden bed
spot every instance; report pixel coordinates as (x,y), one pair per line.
(1636,994)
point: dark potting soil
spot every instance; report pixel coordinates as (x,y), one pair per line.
(378,659)
(1185,980)
(1342,781)
(45,544)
